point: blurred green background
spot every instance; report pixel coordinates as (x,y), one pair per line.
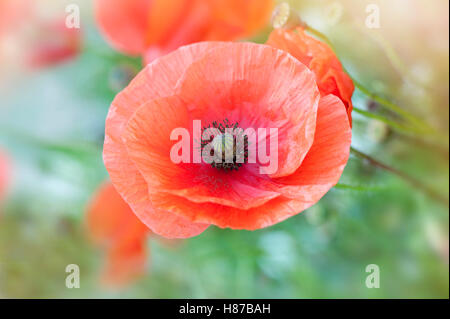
(51,127)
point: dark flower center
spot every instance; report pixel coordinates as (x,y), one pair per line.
(227,143)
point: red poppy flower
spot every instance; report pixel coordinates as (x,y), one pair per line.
(319,58)
(155,27)
(112,225)
(32,40)
(244,85)
(12,13)
(4,174)
(53,43)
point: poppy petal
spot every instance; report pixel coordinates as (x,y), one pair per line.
(183,22)
(173,23)
(123,173)
(13,13)
(320,170)
(233,19)
(320,58)
(163,17)
(4,173)
(61,44)
(149,27)
(148,143)
(112,225)
(247,78)
(125,262)
(108,215)
(124,23)
(326,159)
(255,85)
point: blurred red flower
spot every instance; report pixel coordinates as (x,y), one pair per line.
(152,28)
(4,173)
(112,225)
(31,40)
(53,43)
(319,58)
(249,85)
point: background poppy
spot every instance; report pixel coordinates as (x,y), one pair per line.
(112,226)
(320,58)
(152,28)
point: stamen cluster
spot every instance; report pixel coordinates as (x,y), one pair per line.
(226,139)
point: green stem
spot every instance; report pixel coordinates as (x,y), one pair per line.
(407,133)
(397,126)
(439,149)
(424,127)
(409,179)
(320,35)
(358,188)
